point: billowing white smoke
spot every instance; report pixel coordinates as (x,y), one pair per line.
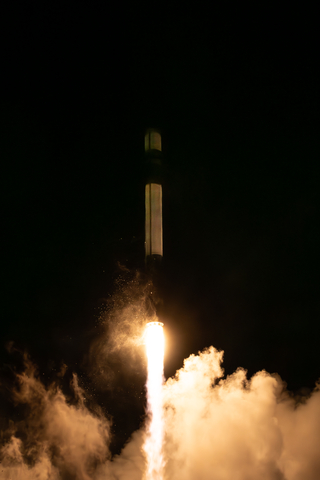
(59,439)
(224,429)
(238,429)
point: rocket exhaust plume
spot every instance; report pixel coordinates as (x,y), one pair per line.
(154,439)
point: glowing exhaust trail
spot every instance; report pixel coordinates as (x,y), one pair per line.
(154,439)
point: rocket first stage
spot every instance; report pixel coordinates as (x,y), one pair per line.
(153,200)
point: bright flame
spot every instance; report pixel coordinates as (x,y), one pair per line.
(154,440)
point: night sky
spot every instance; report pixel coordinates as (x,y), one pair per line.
(235,94)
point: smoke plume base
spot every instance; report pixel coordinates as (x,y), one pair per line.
(215,428)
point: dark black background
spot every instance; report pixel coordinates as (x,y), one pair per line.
(235,93)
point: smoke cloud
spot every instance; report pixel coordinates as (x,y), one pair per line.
(56,440)
(216,428)
(238,428)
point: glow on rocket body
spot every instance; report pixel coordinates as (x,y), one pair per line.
(153,227)
(153,198)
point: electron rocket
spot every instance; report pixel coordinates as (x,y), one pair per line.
(153,200)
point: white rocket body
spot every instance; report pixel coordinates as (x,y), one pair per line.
(153,199)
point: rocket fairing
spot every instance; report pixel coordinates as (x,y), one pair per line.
(153,199)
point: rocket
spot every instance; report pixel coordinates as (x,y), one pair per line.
(153,200)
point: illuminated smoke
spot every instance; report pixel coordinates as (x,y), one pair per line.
(56,440)
(237,428)
(154,437)
(215,428)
